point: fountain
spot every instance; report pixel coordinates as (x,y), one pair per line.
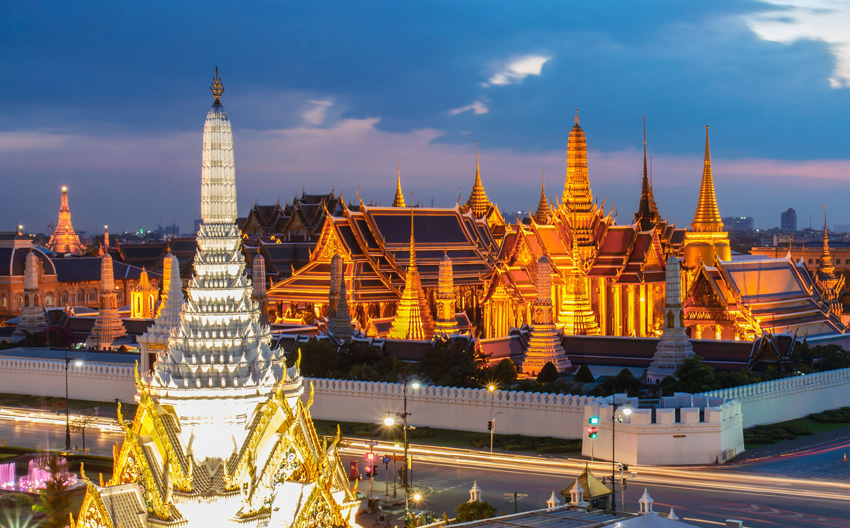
(7,476)
(38,474)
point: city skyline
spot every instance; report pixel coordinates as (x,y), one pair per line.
(109,105)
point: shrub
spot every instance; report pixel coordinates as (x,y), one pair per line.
(548,373)
(583,375)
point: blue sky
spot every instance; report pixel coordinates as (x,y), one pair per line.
(109,98)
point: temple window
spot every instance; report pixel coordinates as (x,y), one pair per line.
(81,297)
(810,261)
(48,299)
(19,302)
(64,298)
(838,261)
(92,296)
(3,301)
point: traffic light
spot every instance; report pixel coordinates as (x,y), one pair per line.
(593,420)
(369,457)
(592,432)
(489,425)
(368,470)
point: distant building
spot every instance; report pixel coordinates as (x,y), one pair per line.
(841,228)
(740,225)
(172,230)
(788,221)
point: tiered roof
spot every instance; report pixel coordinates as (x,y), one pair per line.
(707,217)
(64,239)
(375,245)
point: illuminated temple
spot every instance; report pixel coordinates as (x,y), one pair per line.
(221,436)
(606,279)
(64,239)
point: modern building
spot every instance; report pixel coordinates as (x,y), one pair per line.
(739,225)
(788,221)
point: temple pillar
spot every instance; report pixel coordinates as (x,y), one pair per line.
(602,305)
(618,301)
(630,310)
(650,310)
(641,309)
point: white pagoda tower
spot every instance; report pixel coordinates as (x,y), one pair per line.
(154,342)
(544,344)
(675,345)
(32,317)
(221,436)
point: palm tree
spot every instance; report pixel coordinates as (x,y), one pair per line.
(55,500)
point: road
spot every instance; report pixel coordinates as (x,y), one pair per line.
(810,488)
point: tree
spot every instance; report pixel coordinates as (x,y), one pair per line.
(693,376)
(548,373)
(505,373)
(55,499)
(318,359)
(473,511)
(583,375)
(453,363)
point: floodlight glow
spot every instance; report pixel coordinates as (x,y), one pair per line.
(389,421)
(415,385)
(627,411)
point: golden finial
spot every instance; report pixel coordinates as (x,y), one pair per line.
(576,118)
(217,88)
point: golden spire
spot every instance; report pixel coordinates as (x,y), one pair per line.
(825,267)
(707,217)
(543,213)
(577,195)
(217,88)
(478,202)
(647,215)
(413,318)
(398,201)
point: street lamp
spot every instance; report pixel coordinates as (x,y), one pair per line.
(627,411)
(389,421)
(77,363)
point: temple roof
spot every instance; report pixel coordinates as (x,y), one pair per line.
(647,215)
(83,269)
(477,203)
(375,244)
(13,260)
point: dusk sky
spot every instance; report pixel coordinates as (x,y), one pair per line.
(109,98)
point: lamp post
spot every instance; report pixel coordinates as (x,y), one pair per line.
(627,411)
(389,421)
(77,363)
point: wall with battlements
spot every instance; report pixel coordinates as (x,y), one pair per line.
(686,430)
(790,398)
(556,415)
(46,377)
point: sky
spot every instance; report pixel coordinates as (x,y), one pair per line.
(109,98)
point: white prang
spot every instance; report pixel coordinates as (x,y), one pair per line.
(218,365)
(675,345)
(218,173)
(155,339)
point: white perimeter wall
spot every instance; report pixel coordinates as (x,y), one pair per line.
(790,398)
(46,377)
(556,415)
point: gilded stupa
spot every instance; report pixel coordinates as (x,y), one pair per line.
(576,316)
(830,283)
(706,241)
(221,436)
(64,239)
(543,214)
(398,200)
(413,317)
(544,344)
(478,203)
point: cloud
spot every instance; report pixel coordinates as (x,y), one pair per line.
(516,70)
(316,115)
(819,20)
(478,108)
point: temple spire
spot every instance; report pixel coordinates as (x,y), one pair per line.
(413,318)
(478,203)
(543,213)
(707,217)
(64,239)
(398,201)
(647,215)
(577,194)
(830,283)
(217,87)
